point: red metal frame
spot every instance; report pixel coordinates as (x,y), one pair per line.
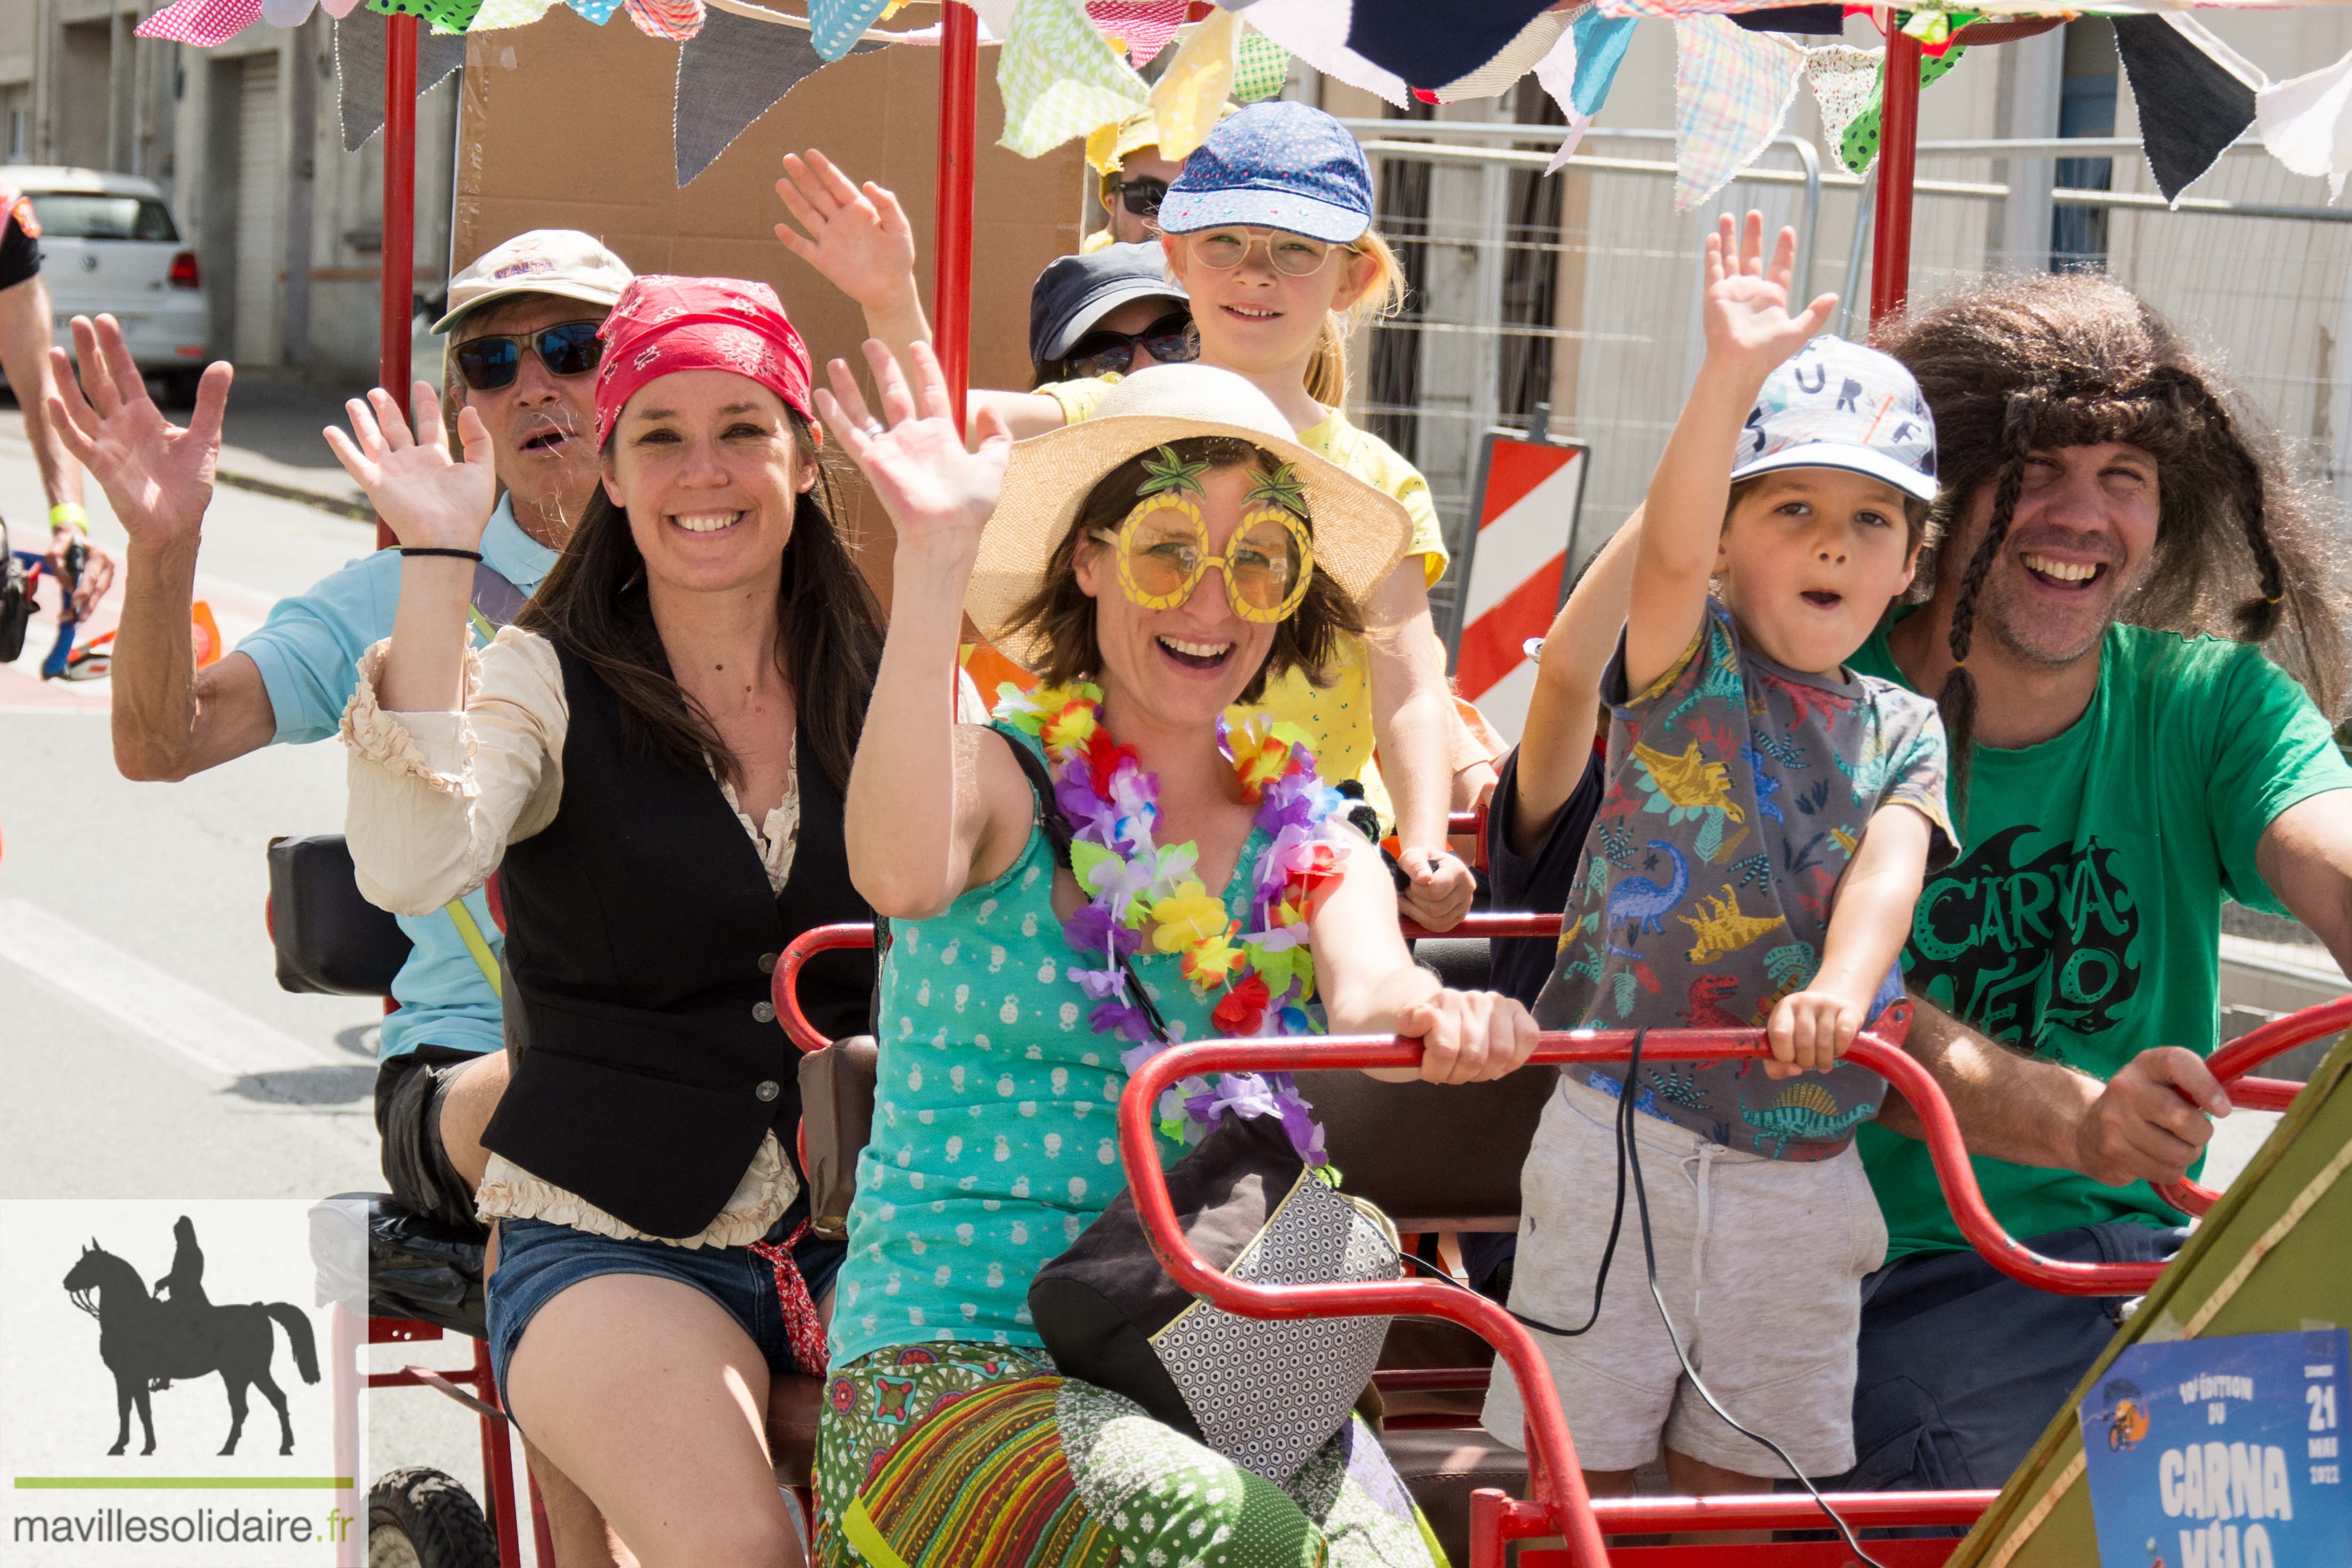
(951,238)
(1898,142)
(477,1390)
(2240,1057)
(398,268)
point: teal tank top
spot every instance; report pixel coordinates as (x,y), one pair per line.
(995,1114)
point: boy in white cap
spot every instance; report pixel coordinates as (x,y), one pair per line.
(1768,818)
(523,319)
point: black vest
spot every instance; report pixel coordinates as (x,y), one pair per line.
(640,930)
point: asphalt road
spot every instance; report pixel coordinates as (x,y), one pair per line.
(146,1049)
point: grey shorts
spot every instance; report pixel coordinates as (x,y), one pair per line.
(1760,1262)
(409,1090)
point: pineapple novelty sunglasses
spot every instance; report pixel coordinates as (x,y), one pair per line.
(1163,546)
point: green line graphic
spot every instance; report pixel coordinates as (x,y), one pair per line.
(182,1483)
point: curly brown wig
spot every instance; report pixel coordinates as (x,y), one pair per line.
(1060,614)
(2021,362)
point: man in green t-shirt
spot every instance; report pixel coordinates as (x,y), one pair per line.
(2114,784)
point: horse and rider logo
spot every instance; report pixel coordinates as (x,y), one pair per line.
(152,1339)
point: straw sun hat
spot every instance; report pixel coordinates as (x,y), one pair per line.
(1360,532)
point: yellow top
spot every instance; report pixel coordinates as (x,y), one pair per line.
(1337,716)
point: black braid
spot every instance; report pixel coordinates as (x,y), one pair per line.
(2258,617)
(1957,700)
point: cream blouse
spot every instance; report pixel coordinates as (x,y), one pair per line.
(435,798)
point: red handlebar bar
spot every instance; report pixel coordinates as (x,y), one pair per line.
(783,989)
(2241,1056)
(1553,1473)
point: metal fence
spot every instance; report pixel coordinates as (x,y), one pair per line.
(1580,291)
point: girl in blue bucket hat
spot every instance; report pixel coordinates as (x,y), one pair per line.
(1269,230)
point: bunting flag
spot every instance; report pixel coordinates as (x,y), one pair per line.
(1397,36)
(2307,122)
(359,71)
(1192,91)
(2206,87)
(1845,80)
(730,74)
(1858,148)
(443,16)
(1317,32)
(1497,76)
(1261,69)
(338,9)
(288,13)
(676,20)
(1601,44)
(1556,72)
(1732,89)
(497,14)
(1059,78)
(597,11)
(203,23)
(1139,28)
(837,25)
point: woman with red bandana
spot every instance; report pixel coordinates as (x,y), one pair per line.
(653,759)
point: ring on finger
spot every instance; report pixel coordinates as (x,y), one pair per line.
(875,428)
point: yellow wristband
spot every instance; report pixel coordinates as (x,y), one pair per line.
(69,513)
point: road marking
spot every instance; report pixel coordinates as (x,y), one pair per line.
(160,1007)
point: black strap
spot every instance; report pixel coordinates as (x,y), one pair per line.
(1057,831)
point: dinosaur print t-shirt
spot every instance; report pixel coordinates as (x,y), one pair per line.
(1737,791)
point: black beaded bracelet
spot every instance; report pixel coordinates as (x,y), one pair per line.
(473,556)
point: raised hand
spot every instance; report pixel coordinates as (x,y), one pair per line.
(157,475)
(428,498)
(1746,316)
(936,492)
(858,237)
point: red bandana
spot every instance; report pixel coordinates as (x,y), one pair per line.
(665,324)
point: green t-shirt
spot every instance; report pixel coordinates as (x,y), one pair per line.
(2082,919)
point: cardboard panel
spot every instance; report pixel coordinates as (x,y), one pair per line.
(567,125)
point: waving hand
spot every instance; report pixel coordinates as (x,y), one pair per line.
(157,475)
(428,498)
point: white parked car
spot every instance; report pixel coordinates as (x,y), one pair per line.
(109,242)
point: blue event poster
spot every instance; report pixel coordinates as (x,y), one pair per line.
(2222,1453)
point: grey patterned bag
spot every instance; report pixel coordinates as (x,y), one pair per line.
(1265,1393)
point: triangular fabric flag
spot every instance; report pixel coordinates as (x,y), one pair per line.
(2307,122)
(1732,89)
(338,9)
(1601,44)
(1555,73)
(1261,67)
(729,75)
(445,15)
(497,14)
(1060,79)
(2204,104)
(203,23)
(996,15)
(1858,148)
(1400,36)
(1190,92)
(1317,32)
(597,11)
(359,71)
(676,20)
(837,25)
(1142,27)
(288,13)
(1844,81)
(1498,75)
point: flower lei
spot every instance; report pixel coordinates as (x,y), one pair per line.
(1265,969)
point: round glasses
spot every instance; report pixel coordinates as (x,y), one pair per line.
(566,349)
(1164,553)
(1292,254)
(1169,341)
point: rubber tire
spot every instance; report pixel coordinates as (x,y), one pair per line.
(427,1518)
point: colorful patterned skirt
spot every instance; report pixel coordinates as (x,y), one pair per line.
(951,1454)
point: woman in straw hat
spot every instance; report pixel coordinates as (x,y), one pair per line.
(1155,565)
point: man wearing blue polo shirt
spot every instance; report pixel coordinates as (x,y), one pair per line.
(523,352)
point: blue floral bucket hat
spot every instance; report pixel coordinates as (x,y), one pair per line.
(1288,166)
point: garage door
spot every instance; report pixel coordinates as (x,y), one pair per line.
(259,250)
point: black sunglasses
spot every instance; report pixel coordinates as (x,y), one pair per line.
(566,349)
(1169,341)
(1142,197)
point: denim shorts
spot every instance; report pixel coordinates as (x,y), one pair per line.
(538,1261)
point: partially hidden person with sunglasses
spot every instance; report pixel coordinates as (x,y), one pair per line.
(1132,176)
(1268,230)
(653,758)
(521,320)
(1156,565)
(1110,312)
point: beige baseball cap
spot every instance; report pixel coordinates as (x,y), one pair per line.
(563,262)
